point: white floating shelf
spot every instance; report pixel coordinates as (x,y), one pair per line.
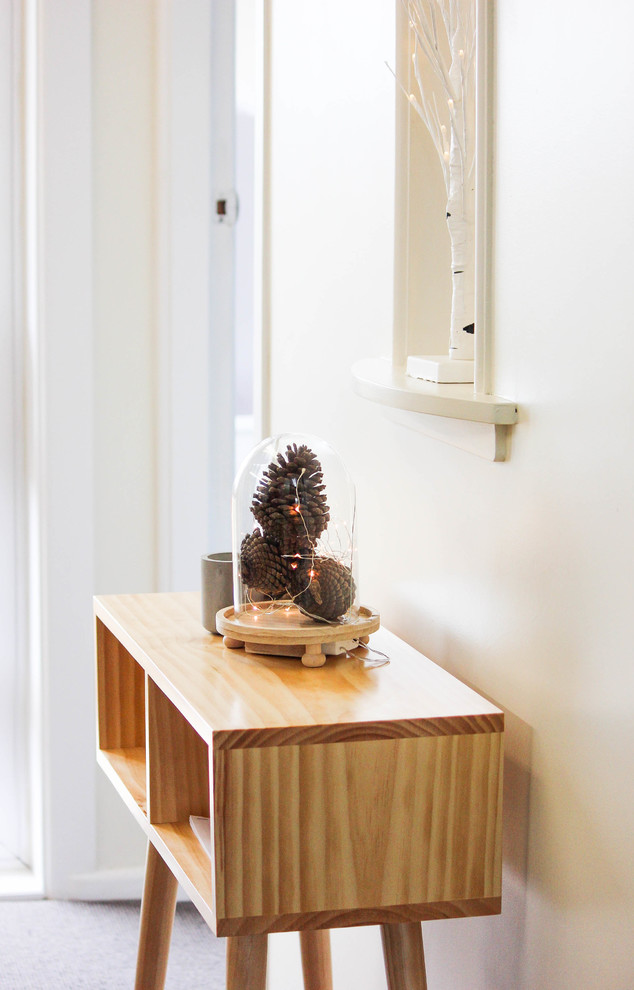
(378,380)
(453,414)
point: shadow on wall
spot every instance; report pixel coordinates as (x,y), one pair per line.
(492,948)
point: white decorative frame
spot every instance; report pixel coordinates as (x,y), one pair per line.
(441,88)
(465,415)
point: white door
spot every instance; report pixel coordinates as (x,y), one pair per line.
(209,129)
(14,775)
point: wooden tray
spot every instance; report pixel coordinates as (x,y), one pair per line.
(278,630)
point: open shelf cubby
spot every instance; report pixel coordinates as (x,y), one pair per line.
(157,762)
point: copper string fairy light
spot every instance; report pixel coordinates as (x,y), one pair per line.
(287,559)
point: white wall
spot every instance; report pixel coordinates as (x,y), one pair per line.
(517,577)
(125,335)
(123,35)
(59,354)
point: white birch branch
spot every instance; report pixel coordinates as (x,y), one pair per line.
(444,35)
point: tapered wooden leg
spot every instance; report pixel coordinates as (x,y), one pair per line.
(246,962)
(316,959)
(404,956)
(157,917)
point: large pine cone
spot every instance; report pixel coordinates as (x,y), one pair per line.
(261,567)
(290,501)
(324,589)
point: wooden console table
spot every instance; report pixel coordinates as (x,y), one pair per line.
(338,796)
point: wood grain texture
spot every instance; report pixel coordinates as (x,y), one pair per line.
(344,826)
(127,770)
(393,914)
(246,962)
(404,956)
(121,693)
(292,626)
(178,763)
(157,917)
(357,731)
(339,796)
(223,691)
(316,960)
(189,863)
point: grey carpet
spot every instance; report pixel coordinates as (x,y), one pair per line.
(64,945)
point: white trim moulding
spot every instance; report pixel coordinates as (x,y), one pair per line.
(430,407)
(380,381)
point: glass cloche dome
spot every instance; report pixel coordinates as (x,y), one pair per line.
(293,513)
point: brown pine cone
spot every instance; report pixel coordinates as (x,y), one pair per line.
(324,588)
(261,567)
(290,501)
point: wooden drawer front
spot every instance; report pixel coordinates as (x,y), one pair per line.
(345,826)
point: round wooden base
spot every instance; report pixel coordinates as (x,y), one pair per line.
(286,632)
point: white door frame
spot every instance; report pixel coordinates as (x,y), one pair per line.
(196,166)
(19,833)
(60,341)
(193,398)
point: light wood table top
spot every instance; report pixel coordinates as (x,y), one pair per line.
(235,699)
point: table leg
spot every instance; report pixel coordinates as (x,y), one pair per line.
(246,962)
(157,917)
(316,960)
(404,956)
